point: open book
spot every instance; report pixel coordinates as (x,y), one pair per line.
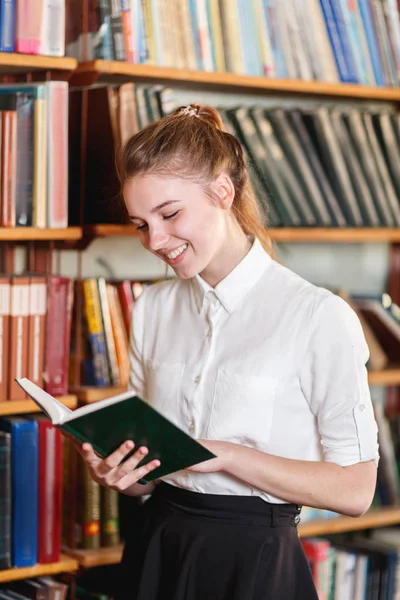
(109,423)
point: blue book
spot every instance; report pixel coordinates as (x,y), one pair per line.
(370,34)
(248,32)
(24,484)
(271,19)
(337,11)
(195,33)
(335,41)
(7,25)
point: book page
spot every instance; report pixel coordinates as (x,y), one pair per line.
(55,410)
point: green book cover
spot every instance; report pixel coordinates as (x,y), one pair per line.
(109,423)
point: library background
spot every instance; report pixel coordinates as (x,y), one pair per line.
(311,89)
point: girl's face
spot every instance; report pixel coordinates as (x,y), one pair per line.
(178,222)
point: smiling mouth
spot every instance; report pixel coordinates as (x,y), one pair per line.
(175,253)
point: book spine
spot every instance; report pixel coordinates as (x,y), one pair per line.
(109,518)
(127,29)
(50,493)
(19,311)
(8,167)
(7,25)
(5,500)
(117,30)
(108,333)
(58,332)
(24,452)
(39,200)
(57,163)
(28,26)
(5,302)
(96,332)
(53,30)
(36,326)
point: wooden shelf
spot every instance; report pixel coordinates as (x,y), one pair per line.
(87,395)
(23,234)
(96,558)
(116,71)
(284,234)
(375,518)
(23,63)
(389,376)
(335,235)
(19,407)
(66,563)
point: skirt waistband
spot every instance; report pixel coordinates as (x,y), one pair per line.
(228,508)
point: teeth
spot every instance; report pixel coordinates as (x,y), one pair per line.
(177,252)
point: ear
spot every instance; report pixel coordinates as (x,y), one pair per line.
(225,190)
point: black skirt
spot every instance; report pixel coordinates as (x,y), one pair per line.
(191,546)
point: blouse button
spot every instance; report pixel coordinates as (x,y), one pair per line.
(362,407)
(191,426)
(197,379)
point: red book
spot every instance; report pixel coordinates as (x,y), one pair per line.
(125,294)
(19,323)
(58,335)
(5,296)
(37,323)
(50,492)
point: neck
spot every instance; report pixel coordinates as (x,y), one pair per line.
(229,256)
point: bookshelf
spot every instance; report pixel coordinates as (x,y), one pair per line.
(12,63)
(26,234)
(64,565)
(102,71)
(319,527)
(19,407)
(96,558)
(284,234)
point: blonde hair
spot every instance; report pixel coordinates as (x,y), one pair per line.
(192,143)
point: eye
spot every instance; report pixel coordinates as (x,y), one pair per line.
(171,216)
(141,227)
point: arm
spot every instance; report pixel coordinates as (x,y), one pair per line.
(346,490)
(334,382)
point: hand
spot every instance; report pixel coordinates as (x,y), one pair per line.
(223,452)
(110,472)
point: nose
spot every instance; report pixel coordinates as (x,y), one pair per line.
(156,240)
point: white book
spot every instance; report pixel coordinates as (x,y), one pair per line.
(53,29)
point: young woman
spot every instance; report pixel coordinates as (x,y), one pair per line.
(263,368)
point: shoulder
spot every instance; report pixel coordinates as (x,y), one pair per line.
(316,306)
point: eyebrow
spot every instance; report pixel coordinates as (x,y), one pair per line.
(156,208)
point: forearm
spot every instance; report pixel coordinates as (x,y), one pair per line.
(347,490)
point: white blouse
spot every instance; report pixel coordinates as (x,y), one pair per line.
(264,359)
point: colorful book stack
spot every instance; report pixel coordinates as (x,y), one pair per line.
(35,318)
(30,492)
(32,27)
(34,155)
(352,42)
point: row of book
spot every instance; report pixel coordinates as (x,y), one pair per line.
(107,311)
(30,492)
(356,567)
(34,154)
(35,326)
(318,166)
(33,27)
(91,512)
(356,42)
(39,588)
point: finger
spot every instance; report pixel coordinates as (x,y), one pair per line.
(131,463)
(89,455)
(113,460)
(136,474)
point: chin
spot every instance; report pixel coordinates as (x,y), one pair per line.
(185,273)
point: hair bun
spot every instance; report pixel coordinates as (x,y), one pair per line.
(207,114)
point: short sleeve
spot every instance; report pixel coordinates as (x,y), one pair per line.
(334,381)
(136,370)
